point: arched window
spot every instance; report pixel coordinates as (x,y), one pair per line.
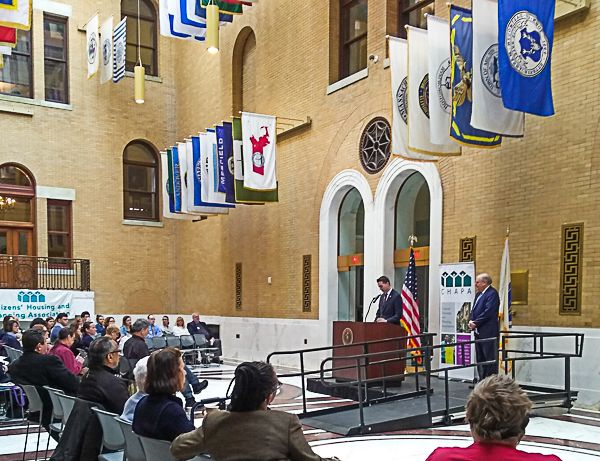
(148,34)
(140,182)
(244,71)
(351,244)
(17,211)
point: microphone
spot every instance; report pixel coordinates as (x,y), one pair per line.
(371,303)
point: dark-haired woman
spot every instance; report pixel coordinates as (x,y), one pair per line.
(160,415)
(88,334)
(266,434)
(126,325)
(10,335)
(62,349)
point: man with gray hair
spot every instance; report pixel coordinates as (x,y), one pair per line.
(135,348)
(484,322)
(139,373)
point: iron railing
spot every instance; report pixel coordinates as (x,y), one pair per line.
(43,273)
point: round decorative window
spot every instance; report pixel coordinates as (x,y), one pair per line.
(375,145)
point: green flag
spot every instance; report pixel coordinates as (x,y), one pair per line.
(243,195)
(224,7)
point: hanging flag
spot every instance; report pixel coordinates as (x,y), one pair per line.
(399,70)
(221,161)
(167,192)
(505,313)
(16,14)
(182,154)
(193,181)
(6,50)
(410,304)
(208,152)
(461,54)
(189,17)
(175,181)
(243,195)
(91,32)
(418,98)
(1,61)
(167,23)
(119,45)
(174,7)
(260,152)
(229,161)
(8,36)
(440,103)
(201,12)
(525,34)
(488,111)
(106,36)
(224,7)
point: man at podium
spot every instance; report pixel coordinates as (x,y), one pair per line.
(390,303)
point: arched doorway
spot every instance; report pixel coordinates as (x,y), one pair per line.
(412,219)
(351,244)
(17,224)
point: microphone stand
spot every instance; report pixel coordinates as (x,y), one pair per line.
(370,304)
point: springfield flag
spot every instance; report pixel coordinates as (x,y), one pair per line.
(106,36)
(488,111)
(243,195)
(221,160)
(461,54)
(15,13)
(8,36)
(91,32)
(120,40)
(525,34)
(167,192)
(440,94)
(260,152)
(399,69)
(418,98)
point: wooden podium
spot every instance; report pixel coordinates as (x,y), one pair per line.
(347,333)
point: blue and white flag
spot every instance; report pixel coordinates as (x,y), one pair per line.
(167,192)
(176,179)
(221,161)
(229,162)
(208,153)
(461,55)
(172,27)
(189,16)
(119,44)
(525,34)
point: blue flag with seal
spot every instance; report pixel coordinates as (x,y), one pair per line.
(229,162)
(176,180)
(525,34)
(461,55)
(221,166)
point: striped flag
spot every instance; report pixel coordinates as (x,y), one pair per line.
(410,304)
(119,44)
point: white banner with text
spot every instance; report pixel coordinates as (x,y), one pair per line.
(27,304)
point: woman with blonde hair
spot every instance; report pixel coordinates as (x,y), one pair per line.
(180,329)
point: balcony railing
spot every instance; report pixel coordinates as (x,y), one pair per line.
(44,273)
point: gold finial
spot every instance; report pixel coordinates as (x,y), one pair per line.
(507,231)
(412,239)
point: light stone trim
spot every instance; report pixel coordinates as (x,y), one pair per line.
(50,6)
(361,74)
(133,222)
(55,193)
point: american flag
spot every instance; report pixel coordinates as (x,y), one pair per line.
(410,304)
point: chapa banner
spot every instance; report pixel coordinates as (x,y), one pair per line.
(91,33)
(488,111)
(461,54)
(260,151)
(525,34)
(26,304)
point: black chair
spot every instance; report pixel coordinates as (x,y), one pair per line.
(159,342)
(35,405)
(149,343)
(173,341)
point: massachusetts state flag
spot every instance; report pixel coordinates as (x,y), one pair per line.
(260,152)
(410,304)
(525,34)
(461,55)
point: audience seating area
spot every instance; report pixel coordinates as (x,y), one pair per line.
(190,345)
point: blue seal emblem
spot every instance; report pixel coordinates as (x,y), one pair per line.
(402,101)
(526,44)
(490,70)
(120,53)
(106,52)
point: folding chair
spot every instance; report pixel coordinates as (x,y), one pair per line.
(159,342)
(149,343)
(133,445)
(67,403)
(173,341)
(159,450)
(112,436)
(57,414)
(35,405)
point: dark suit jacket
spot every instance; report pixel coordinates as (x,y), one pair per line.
(135,348)
(260,434)
(391,309)
(100,385)
(485,313)
(43,370)
(199,328)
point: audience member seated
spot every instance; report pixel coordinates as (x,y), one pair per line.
(498,413)
(153,330)
(112,331)
(88,334)
(4,325)
(37,368)
(160,415)
(100,384)
(50,323)
(165,326)
(10,336)
(100,325)
(126,325)
(75,326)
(271,434)
(179,329)
(139,373)
(85,316)
(108,321)
(196,327)
(62,320)
(37,321)
(135,348)
(62,350)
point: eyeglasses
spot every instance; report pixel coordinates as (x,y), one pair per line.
(279,384)
(113,352)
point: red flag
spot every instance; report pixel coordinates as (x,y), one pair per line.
(8,36)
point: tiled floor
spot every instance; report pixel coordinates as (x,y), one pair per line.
(574,436)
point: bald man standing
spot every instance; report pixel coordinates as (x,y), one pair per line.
(484,321)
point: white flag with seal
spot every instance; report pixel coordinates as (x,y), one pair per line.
(106,37)
(208,153)
(440,89)
(260,152)
(399,71)
(183,165)
(418,98)
(120,44)
(91,33)
(488,112)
